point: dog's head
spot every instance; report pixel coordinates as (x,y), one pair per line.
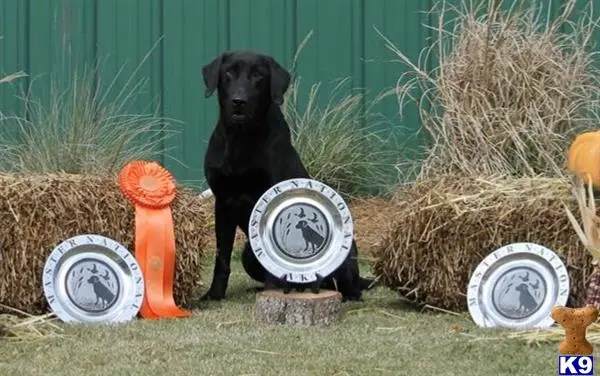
(301,224)
(521,288)
(93,279)
(247,84)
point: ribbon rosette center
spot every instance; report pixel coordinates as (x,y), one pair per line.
(149,183)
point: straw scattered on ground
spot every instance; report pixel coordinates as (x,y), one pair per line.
(553,334)
(535,337)
(21,326)
(38,212)
(444,227)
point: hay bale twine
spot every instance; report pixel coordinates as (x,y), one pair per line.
(298,308)
(38,212)
(445,226)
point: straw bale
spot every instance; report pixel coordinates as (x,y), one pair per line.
(445,226)
(372,218)
(38,212)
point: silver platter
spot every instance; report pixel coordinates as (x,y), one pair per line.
(517,286)
(300,228)
(93,279)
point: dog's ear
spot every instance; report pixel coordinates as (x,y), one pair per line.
(280,80)
(210,74)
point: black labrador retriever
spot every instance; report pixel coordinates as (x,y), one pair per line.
(249,151)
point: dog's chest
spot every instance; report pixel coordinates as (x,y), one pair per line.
(237,171)
(241,189)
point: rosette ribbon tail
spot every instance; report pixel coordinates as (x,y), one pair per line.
(151,189)
(155,251)
(140,253)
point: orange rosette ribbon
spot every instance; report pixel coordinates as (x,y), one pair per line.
(151,188)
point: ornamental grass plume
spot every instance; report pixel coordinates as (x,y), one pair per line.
(511,90)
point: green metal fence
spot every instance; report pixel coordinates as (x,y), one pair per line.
(54,37)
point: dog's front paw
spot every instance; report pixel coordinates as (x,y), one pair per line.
(270,284)
(208,296)
(352,297)
(213,294)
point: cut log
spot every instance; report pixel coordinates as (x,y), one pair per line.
(298,308)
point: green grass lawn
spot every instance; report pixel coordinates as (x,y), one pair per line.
(379,336)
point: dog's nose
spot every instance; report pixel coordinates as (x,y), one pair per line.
(238,102)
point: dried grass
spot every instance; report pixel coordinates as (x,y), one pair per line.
(590,234)
(22,326)
(510,91)
(445,226)
(39,211)
(553,334)
(11,77)
(86,128)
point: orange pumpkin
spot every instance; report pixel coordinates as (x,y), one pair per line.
(583,157)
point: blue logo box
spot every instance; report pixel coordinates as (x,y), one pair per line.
(575,365)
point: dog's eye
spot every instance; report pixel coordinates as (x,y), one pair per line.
(256,74)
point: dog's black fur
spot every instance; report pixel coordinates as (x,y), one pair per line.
(249,151)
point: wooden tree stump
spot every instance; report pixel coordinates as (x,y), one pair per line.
(298,308)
